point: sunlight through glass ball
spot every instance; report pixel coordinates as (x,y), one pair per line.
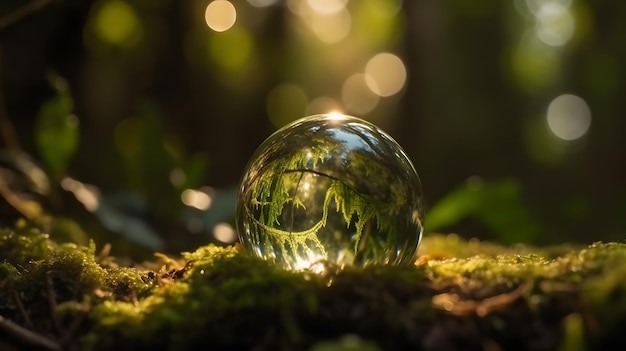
(330,189)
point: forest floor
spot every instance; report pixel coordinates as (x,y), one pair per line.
(460,295)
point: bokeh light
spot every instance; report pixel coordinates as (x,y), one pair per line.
(357,97)
(232,49)
(329,20)
(534,65)
(286,102)
(197,199)
(225,233)
(385,74)
(262,3)
(555,24)
(177,177)
(327,6)
(534,6)
(569,117)
(330,27)
(297,7)
(322,104)
(220,15)
(116,23)
(378,23)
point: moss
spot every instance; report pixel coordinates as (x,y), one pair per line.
(23,246)
(467,295)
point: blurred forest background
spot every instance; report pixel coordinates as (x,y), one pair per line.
(131,121)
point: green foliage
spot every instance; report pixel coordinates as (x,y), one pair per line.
(195,168)
(279,184)
(499,205)
(56,129)
(151,153)
(347,343)
(141,140)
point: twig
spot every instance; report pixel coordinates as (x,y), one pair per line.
(22,12)
(104,253)
(454,304)
(14,200)
(27,336)
(70,331)
(52,302)
(20,305)
(65,334)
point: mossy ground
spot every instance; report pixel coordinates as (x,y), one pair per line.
(461,295)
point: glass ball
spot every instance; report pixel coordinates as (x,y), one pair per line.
(330,188)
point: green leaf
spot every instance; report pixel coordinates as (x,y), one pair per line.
(56,130)
(195,168)
(498,205)
(346,343)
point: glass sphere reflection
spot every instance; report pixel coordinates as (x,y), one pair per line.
(330,188)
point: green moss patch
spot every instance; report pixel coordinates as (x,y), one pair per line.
(460,295)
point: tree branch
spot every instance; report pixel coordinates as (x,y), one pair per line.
(20,13)
(27,336)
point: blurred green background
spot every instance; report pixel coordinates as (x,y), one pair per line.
(143,113)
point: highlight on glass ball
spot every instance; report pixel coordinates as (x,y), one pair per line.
(330,189)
